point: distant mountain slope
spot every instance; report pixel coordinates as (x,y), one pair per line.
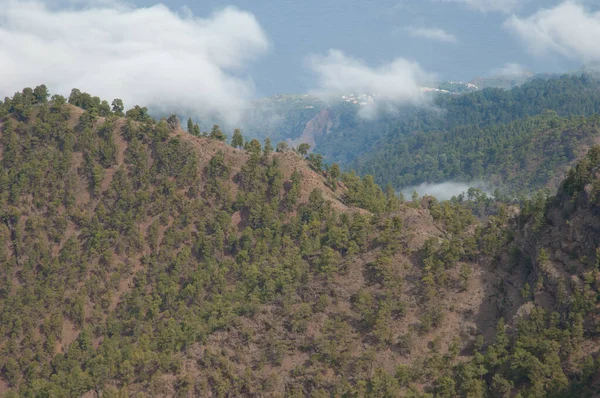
(502,81)
(478,133)
(521,157)
(466,137)
(280,117)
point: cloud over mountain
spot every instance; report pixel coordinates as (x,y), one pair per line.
(568,29)
(397,82)
(150,56)
(445,190)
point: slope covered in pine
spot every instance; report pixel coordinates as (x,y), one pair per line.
(139,259)
(519,157)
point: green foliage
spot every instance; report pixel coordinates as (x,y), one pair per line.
(282,147)
(518,139)
(522,156)
(118,107)
(134,263)
(217,134)
(364,193)
(583,173)
(303,149)
(92,104)
(237,140)
(139,114)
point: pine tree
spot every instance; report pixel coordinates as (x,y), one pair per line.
(237,141)
(196,131)
(267,149)
(118,107)
(217,134)
(303,149)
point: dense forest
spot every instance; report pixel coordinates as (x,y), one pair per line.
(489,135)
(521,157)
(138,259)
(482,135)
(462,134)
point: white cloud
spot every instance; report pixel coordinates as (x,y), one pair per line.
(432,34)
(444,190)
(148,56)
(395,83)
(504,6)
(568,29)
(510,70)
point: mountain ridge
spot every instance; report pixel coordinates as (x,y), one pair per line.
(140,259)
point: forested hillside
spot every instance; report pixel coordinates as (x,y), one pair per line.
(141,260)
(487,135)
(521,157)
(517,140)
(479,134)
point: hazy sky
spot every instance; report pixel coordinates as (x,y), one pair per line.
(379,31)
(212,56)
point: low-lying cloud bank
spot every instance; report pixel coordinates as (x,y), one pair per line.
(395,83)
(568,29)
(148,56)
(444,190)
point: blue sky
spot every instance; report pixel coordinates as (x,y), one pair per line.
(377,31)
(211,57)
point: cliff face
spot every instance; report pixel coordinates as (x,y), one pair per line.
(316,128)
